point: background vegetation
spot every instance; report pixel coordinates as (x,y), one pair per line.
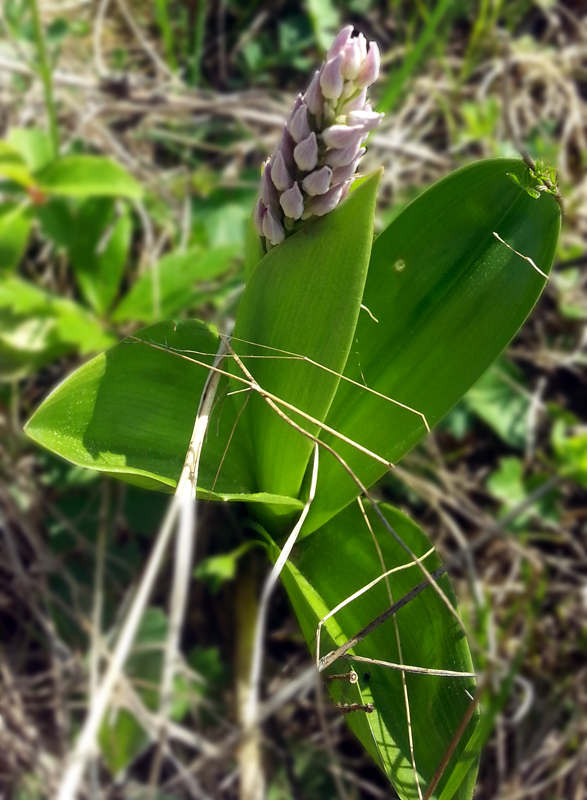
(189,97)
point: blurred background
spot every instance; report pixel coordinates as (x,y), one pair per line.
(189,96)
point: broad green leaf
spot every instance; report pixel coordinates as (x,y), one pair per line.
(303,297)
(332,566)
(501,400)
(13,166)
(87,176)
(130,413)
(15,225)
(33,145)
(99,250)
(170,284)
(36,327)
(447,297)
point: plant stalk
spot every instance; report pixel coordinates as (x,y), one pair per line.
(45,73)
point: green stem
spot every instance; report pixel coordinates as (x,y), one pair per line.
(45,73)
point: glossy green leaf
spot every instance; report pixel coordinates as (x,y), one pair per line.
(330,567)
(303,297)
(169,286)
(36,327)
(33,145)
(87,176)
(447,297)
(99,250)
(130,413)
(15,226)
(13,166)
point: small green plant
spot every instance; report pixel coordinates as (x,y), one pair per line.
(345,352)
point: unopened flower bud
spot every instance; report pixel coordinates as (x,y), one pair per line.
(339,42)
(272,227)
(292,202)
(331,81)
(341,158)
(338,136)
(306,153)
(317,182)
(351,60)
(324,203)
(280,175)
(369,120)
(313,97)
(369,68)
(268,191)
(342,174)
(298,127)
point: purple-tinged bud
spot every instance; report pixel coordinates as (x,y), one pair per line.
(340,42)
(258,214)
(339,136)
(369,71)
(317,182)
(342,174)
(345,190)
(306,153)
(272,227)
(351,60)
(313,96)
(355,104)
(298,126)
(341,158)
(292,202)
(323,204)
(280,175)
(331,81)
(267,189)
(368,120)
(287,149)
(297,103)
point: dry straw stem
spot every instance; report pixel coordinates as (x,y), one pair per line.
(182,505)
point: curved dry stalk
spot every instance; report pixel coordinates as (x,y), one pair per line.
(182,503)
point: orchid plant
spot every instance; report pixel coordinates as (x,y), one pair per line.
(346,351)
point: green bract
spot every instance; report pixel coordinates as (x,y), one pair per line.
(411,321)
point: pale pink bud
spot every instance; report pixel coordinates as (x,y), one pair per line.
(331,81)
(369,120)
(362,44)
(356,104)
(280,175)
(341,158)
(298,126)
(369,71)
(340,42)
(342,174)
(272,227)
(258,215)
(323,204)
(317,182)
(351,60)
(313,96)
(339,136)
(267,189)
(292,202)
(306,153)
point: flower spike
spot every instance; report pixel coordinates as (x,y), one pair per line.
(313,166)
